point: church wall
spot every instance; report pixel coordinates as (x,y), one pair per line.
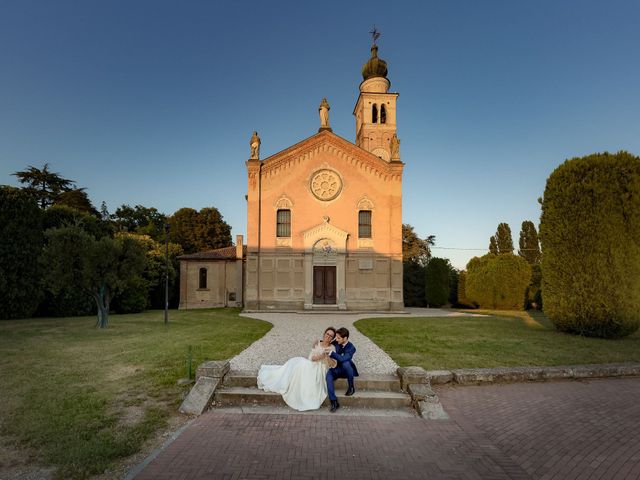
(373,282)
(223,279)
(307,211)
(281,277)
(281,281)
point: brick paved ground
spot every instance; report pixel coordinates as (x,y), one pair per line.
(556,430)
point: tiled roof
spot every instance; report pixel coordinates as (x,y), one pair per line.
(226,253)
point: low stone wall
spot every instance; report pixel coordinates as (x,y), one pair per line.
(478,376)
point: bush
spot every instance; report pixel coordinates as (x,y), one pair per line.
(21,241)
(590,235)
(133,298)
(453,286)
(70,303)
(497,281)
(413,279)
(437,282)
(533,295)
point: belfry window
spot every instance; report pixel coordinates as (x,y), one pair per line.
(364,224)
(383,114)
(202,278)
(283,227)
(374,113)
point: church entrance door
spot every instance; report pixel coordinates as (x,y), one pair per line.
(324,285)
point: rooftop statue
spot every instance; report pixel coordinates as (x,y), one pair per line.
(255,146)
(324,114)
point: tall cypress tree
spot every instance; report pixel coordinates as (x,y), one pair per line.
(529,244)
(503,239)
(493,245)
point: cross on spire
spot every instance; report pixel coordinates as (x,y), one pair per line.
(375,34)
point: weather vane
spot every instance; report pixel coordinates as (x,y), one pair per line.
(375,34)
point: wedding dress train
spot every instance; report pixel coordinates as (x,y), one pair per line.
(300,381)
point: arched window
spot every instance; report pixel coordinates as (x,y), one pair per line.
(383,114)
(283,227)
(364,224)
(374,113)
(202,277)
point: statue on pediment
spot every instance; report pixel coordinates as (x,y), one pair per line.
(324,114)
(255,146)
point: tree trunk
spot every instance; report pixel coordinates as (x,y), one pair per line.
(102,300)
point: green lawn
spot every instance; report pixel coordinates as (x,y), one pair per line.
(85,398)
(501,339)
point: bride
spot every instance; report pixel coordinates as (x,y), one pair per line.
(301,381)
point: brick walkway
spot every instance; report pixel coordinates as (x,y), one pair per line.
(555,430)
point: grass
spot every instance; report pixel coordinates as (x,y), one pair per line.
(500,339)
(86,398)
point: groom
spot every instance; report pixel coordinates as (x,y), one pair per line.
(345,367)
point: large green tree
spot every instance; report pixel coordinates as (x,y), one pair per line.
(45,185)
(141,220)
(71,302)
(197,231)
(21,242)
(77,198)
(497,281)
(63,215)
(438,273)
(101,268)
(414,248)
(150,293)
(590,235)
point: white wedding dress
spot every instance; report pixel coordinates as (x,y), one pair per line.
(300,381)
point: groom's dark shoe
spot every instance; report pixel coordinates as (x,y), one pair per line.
(350,391)
(334,406)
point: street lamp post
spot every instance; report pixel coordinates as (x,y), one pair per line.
(166,273)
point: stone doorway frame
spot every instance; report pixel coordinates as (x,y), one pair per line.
(325,245)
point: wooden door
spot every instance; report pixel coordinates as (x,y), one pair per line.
(324,285)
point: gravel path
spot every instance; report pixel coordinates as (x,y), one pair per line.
(293,334)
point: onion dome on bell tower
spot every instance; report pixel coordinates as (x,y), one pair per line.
(375,110)
(375,67)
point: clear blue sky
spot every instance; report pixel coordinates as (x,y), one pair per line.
(153,102)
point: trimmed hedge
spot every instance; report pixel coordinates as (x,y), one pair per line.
(497,282)
(437,282)
(590,235)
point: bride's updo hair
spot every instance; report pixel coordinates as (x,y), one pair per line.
(332,330)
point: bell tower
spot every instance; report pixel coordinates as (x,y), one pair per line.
(375,111)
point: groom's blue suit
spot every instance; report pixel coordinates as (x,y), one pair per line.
(345,368)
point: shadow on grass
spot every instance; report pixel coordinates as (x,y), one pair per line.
(69,388)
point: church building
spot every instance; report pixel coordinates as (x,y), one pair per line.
(324,220)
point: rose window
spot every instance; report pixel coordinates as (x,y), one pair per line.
(326,185)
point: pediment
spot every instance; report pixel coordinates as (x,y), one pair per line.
(325,233)
(326,141)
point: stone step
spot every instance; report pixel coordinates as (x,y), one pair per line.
(405,412)
(228,396)
(387,383)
